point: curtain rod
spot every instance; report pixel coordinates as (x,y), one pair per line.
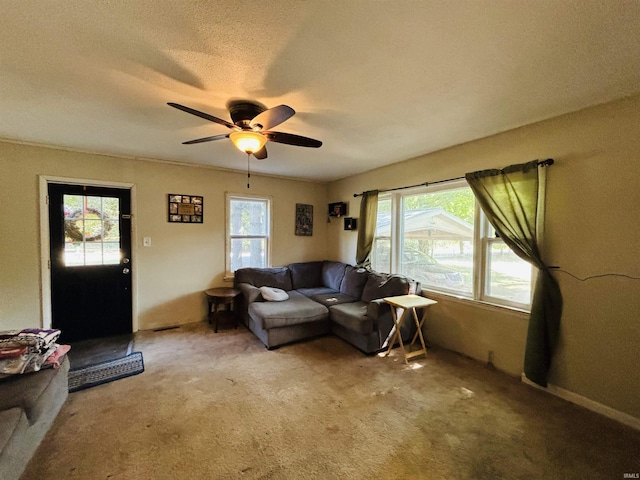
(541,163)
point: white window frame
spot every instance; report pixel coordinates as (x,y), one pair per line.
(230,197)
(481,247)
(486,241)
(392,229)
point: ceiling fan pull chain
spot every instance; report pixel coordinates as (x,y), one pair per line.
(248,172)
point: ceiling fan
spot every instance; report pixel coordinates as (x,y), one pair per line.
(252,124)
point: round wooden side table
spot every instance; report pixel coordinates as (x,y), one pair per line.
(221,296)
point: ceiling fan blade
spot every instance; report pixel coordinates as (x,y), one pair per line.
(206,139)
(291,139)
(261,154)
(272,117)
(200,114)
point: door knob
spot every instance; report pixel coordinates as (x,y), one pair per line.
(125,270)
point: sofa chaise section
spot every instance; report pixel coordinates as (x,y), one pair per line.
(277,323)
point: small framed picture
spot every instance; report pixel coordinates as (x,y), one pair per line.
(337,209)
(185,208)
(350,223)
(304,220)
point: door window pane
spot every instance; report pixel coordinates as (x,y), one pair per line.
(93,227)
(113,233)
(93,253)
(91,230)
(111,253)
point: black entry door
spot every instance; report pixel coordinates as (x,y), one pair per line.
(90,240)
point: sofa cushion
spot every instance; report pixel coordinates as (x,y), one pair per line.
(306,275)
(298,309)
(332,274)
(329,299)
(354,281)
(278,277)
(10,421)
(29,391)
(310,292)
(352,316)
(380,285)
(271,294)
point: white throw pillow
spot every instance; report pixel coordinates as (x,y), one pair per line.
(271,294)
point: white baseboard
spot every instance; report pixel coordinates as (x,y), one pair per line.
(587,403)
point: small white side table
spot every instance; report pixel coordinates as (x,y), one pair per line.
(408,304)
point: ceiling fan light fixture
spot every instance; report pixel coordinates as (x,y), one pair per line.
(248,141)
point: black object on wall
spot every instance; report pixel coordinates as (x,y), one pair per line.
(350,223)
(337,209)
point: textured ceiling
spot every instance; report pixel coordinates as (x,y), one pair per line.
(377,81)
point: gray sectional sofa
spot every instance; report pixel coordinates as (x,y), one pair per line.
(28,405)
(324,297)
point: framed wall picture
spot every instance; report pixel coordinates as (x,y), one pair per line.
(304,220)
(185,208)
(337,209)
(350,223)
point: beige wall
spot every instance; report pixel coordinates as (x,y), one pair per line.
(592,227)
(183,259)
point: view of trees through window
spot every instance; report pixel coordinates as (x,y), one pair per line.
(381,251)
(437,239)
(248,233)
(435,244)
(508,277)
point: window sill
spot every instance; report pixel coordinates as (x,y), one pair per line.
(518,312)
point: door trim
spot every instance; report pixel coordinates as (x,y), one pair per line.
(45,250)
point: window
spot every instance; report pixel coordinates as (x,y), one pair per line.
(440,237)
(507,278)
(437,239)
(248,232)
(381,250)
(91,230)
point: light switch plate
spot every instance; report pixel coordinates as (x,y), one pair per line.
(146,241)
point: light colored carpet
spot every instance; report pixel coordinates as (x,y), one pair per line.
(221,406)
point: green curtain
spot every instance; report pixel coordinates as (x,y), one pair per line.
(513,201)
(367,228)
